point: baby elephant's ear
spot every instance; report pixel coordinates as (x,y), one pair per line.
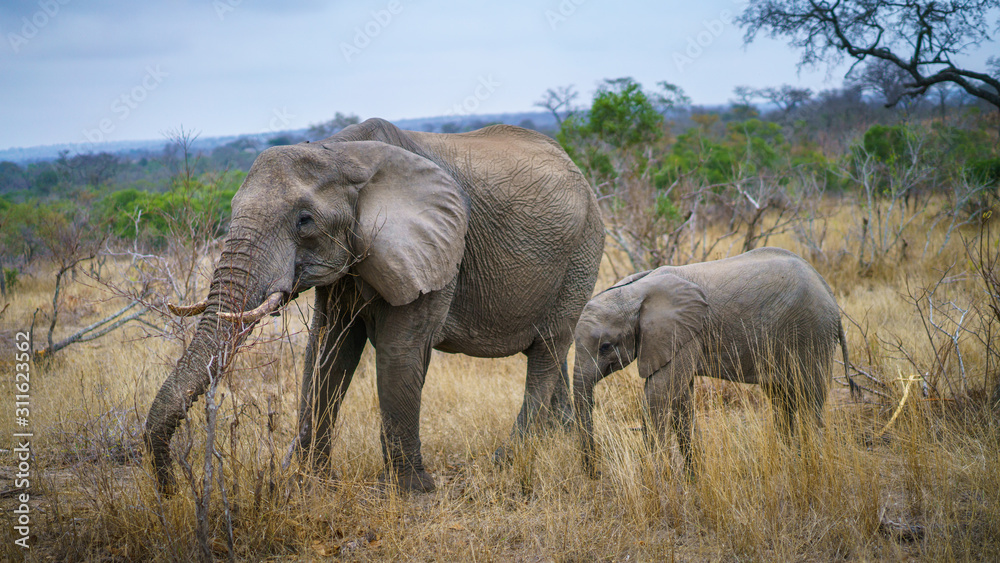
(673,313)
(631,278)
(412,218)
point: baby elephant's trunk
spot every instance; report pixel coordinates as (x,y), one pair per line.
(585,377)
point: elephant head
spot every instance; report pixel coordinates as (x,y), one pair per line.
(306,216)
(652,317)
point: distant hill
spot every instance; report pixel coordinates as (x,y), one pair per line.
(442,124)
(538,120)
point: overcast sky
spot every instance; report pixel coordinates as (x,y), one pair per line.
(78,71)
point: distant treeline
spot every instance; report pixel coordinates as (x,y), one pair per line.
(626,130)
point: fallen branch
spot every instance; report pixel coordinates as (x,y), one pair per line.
(907,383)
(868,376)
(898,530)
(95,330)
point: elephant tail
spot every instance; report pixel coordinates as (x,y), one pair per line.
(855,388)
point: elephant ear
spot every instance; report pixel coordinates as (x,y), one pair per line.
(412,218)
(673,312)
(631,278)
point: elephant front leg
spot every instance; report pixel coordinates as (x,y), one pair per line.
(400,385)
(332,355)
(404,337)
(669,403)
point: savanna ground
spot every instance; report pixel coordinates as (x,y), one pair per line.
(923,487)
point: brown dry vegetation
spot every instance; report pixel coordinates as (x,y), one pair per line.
(926,488)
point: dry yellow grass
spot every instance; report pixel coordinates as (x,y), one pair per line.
(853,494)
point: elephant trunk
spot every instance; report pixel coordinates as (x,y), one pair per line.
(234,289)
(585,377)
(188,380)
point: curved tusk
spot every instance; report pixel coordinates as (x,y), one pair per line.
(188,310)
(272,304)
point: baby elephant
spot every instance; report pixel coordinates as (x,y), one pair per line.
(764,317)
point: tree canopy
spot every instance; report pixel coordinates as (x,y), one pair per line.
(920,38)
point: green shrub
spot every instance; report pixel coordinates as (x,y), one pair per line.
(152,217)
(665,208)
(10,278)
(748,147)
(984,171)
(887,143)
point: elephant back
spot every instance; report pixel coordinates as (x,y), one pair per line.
(768,300)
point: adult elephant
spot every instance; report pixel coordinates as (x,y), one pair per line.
(765,317)
(485,243)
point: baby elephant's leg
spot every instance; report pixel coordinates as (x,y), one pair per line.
(669,401)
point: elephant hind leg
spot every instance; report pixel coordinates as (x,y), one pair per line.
(560,406)
(802,392)
(799,408)
(795,413)
(784,417)
(546,362)
(546,371)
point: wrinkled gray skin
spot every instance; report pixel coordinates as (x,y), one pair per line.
(764,317)
(485,243)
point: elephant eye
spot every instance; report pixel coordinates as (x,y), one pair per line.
(305,220)
(605,347)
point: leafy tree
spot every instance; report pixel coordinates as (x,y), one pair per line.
(888,143)
(743,107)
(559,99)
(747,148)
(919,37)
(985,171)
(614,143)
(12,177)
(695,153)
(883,78)
(236,155)
(528,124)
(670,98)
(623,116)
(327,128)
(609,139)
(786,97)
(88,169)
(43,176)
(153,217)
(280,140)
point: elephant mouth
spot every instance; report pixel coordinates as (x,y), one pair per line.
(615,363)
(312,274)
